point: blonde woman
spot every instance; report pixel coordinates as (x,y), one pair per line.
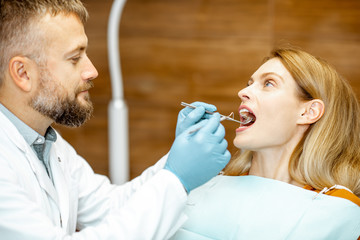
(297,174)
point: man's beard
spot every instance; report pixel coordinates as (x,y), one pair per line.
(53,101)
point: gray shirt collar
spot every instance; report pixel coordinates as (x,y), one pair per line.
(29,134)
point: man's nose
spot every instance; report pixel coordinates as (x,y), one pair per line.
(89,72)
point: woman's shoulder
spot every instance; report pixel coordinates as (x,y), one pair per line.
(337,191)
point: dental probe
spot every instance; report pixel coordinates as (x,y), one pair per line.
(223,117)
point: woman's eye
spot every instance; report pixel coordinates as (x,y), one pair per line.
(269,83)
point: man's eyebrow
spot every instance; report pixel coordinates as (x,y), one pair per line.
(75,50)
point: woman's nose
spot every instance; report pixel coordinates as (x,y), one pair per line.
(244,94)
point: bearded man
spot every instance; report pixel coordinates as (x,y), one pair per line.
(48,191)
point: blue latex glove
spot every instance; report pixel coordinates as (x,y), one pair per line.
(189,116)
(197,155)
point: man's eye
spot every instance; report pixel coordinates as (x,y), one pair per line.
(75,59)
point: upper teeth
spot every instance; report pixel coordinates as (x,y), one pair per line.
(244,110)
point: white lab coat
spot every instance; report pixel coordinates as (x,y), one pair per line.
(32,207)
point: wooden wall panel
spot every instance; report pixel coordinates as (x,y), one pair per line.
(327,28)
(205,50)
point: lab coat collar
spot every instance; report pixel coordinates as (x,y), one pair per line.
(56,166)
(13,134)
(42,176)
(36,165)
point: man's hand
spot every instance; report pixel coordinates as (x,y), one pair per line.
(199,153)
(189,116)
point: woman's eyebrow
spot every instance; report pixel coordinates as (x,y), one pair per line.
(272,73)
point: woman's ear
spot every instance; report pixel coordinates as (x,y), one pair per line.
(313,110)
(20,69)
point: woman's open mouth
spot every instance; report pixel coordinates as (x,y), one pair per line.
(247,118)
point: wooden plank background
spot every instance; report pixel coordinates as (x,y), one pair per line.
(201,50)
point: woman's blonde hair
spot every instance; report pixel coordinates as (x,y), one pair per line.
(329,152)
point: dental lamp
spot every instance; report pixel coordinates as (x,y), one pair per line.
(117,109)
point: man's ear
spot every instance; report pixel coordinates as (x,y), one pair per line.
(22,71)
(312,111)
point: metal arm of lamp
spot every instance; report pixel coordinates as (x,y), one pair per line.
(117,110)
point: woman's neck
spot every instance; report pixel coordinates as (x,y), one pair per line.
(273,163)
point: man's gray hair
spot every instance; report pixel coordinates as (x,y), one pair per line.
(19,34)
